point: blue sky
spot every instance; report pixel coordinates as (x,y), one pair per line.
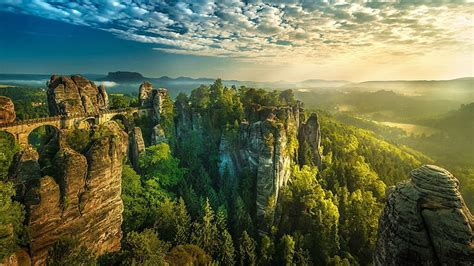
(234,39)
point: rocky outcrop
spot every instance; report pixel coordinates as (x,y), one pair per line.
(7,110)
(145,94)
(149,97)
(75,95)
(426,222)
(265,152)
(81,199)
(136,146)
(19,258)
(266,147)
(309,139)
(158,135)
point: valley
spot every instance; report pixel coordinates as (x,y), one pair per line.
(221,172)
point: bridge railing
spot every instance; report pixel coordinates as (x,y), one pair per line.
(60,117)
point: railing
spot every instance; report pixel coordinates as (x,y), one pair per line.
(61,117)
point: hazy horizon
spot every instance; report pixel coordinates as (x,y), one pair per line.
(261,81)
(252,40)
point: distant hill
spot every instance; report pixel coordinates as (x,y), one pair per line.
(461,89)
(123,76)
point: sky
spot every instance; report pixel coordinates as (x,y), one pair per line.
(246,40)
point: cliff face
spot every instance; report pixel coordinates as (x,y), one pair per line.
(149,97)
(7,110)
(136,146)
(82,200)
(267,146)
(75,95)
(426,222)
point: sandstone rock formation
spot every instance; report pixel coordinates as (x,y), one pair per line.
(149,97)
(267,146)
(136,146)
(145,94)
(309,138)
(158,135)
(19,258)
(75,95)
(426,222)
(81,199)
(7,110)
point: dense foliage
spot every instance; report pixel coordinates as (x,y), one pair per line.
(321,217)
(180,209)
(29,102)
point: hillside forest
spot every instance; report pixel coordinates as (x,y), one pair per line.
(180,207)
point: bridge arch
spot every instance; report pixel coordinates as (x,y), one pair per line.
(124,120)
(39,135)
(86,122)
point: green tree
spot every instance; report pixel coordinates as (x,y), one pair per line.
(158,164)
(205,233)
(136,207)
(267,251)
(287,247)
(226,250)
(11,220)
(118,101)
(310,210)
(68,251)
(8,149)
(247,250)
(188,255)
(183,223)
(144,248)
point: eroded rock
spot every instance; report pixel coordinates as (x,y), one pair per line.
(426,222)
(72,95)
(83,199)
(136,147)
(7,110)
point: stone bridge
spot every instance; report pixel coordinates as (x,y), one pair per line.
(22,129)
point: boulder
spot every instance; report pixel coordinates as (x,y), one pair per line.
(7,110)
(426,222)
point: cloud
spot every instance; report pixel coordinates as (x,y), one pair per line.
(279,30)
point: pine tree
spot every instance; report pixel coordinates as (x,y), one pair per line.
(247,250)
(267,249)
(287,249)
(226,249)
(205,233)
(183,223)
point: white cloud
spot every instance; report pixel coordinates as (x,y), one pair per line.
(279,30)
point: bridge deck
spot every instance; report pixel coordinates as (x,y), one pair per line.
(61,117)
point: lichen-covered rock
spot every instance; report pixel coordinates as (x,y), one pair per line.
(426,222)
(136,146)
(7,110)
(149,97)
(158,135)
(82,200)
(309,139)
(19,258)
(75,95)
(145,94)
(24,170)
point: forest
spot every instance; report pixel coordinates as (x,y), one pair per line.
(179,208)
